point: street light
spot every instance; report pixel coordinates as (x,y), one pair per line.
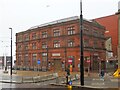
(11,52)
(81,47)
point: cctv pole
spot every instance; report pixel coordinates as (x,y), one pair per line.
(81,47)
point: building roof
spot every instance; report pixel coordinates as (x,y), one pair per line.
(62,21)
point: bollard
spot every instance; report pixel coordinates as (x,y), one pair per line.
(70,85)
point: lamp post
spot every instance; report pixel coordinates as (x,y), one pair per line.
(81,47)
(11,52)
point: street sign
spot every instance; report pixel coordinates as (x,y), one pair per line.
(38,62)
(70,61)
(88,61)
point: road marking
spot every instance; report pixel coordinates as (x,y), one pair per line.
(114,80)
(97,79)
(98,84)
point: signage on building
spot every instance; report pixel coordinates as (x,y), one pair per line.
(55,54)
(38,62)
(70,61)
(88,61)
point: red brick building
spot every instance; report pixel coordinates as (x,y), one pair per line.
(111,24)
(52,46)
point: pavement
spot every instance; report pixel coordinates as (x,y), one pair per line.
(20,75)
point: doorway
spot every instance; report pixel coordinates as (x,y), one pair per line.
(57,65)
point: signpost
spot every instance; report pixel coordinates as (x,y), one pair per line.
(38,62)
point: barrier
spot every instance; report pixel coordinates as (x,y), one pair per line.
(39,78)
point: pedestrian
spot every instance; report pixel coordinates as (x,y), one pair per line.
(102,73)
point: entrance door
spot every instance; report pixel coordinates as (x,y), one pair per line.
(57,65)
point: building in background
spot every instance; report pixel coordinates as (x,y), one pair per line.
(5,61)
(111,24)
(56,45)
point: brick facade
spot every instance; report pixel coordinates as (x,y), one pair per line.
(56,43)
(111,24)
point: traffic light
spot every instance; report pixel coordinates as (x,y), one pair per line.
(68,72)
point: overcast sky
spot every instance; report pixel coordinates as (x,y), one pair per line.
(23,14)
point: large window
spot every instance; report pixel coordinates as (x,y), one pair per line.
(34,59)
(26,47)
(19,38)
(19,59)
(70,43)
(19,47)
(44,45)
(34,45)
(71,30)
(34,36)
(56,43)
(86,42)
(44,34)
(26,62)
(95,43)
(56,33)
(26,37)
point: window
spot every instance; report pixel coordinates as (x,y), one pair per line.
(86,42)
(86,30)
(56,33)
(71,30)
(19,47)
(26,47)
(34,36)
(56,43)
(34,59)
(44,45)
(70,43)
(103,44)
(19,38)
(26,62)
(95,43)
(44,34)
(44,57)
(26,37)
(34,46)
(95,33)
(19,59)
(44,54)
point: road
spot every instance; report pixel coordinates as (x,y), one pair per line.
(97,82)
(45,84)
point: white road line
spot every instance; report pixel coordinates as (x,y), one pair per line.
(98,84)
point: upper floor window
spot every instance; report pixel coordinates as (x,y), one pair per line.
(86,42)
(86,30)
(19,38)
(26,37)
(95,33)
(26,46)
(95,43)
(103,44)
(44,54)
(56,33)
(19,47)
(34,45)
(44,34)
(70,43)
(44,45)
(34,36)
(71,30)
(56,43)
